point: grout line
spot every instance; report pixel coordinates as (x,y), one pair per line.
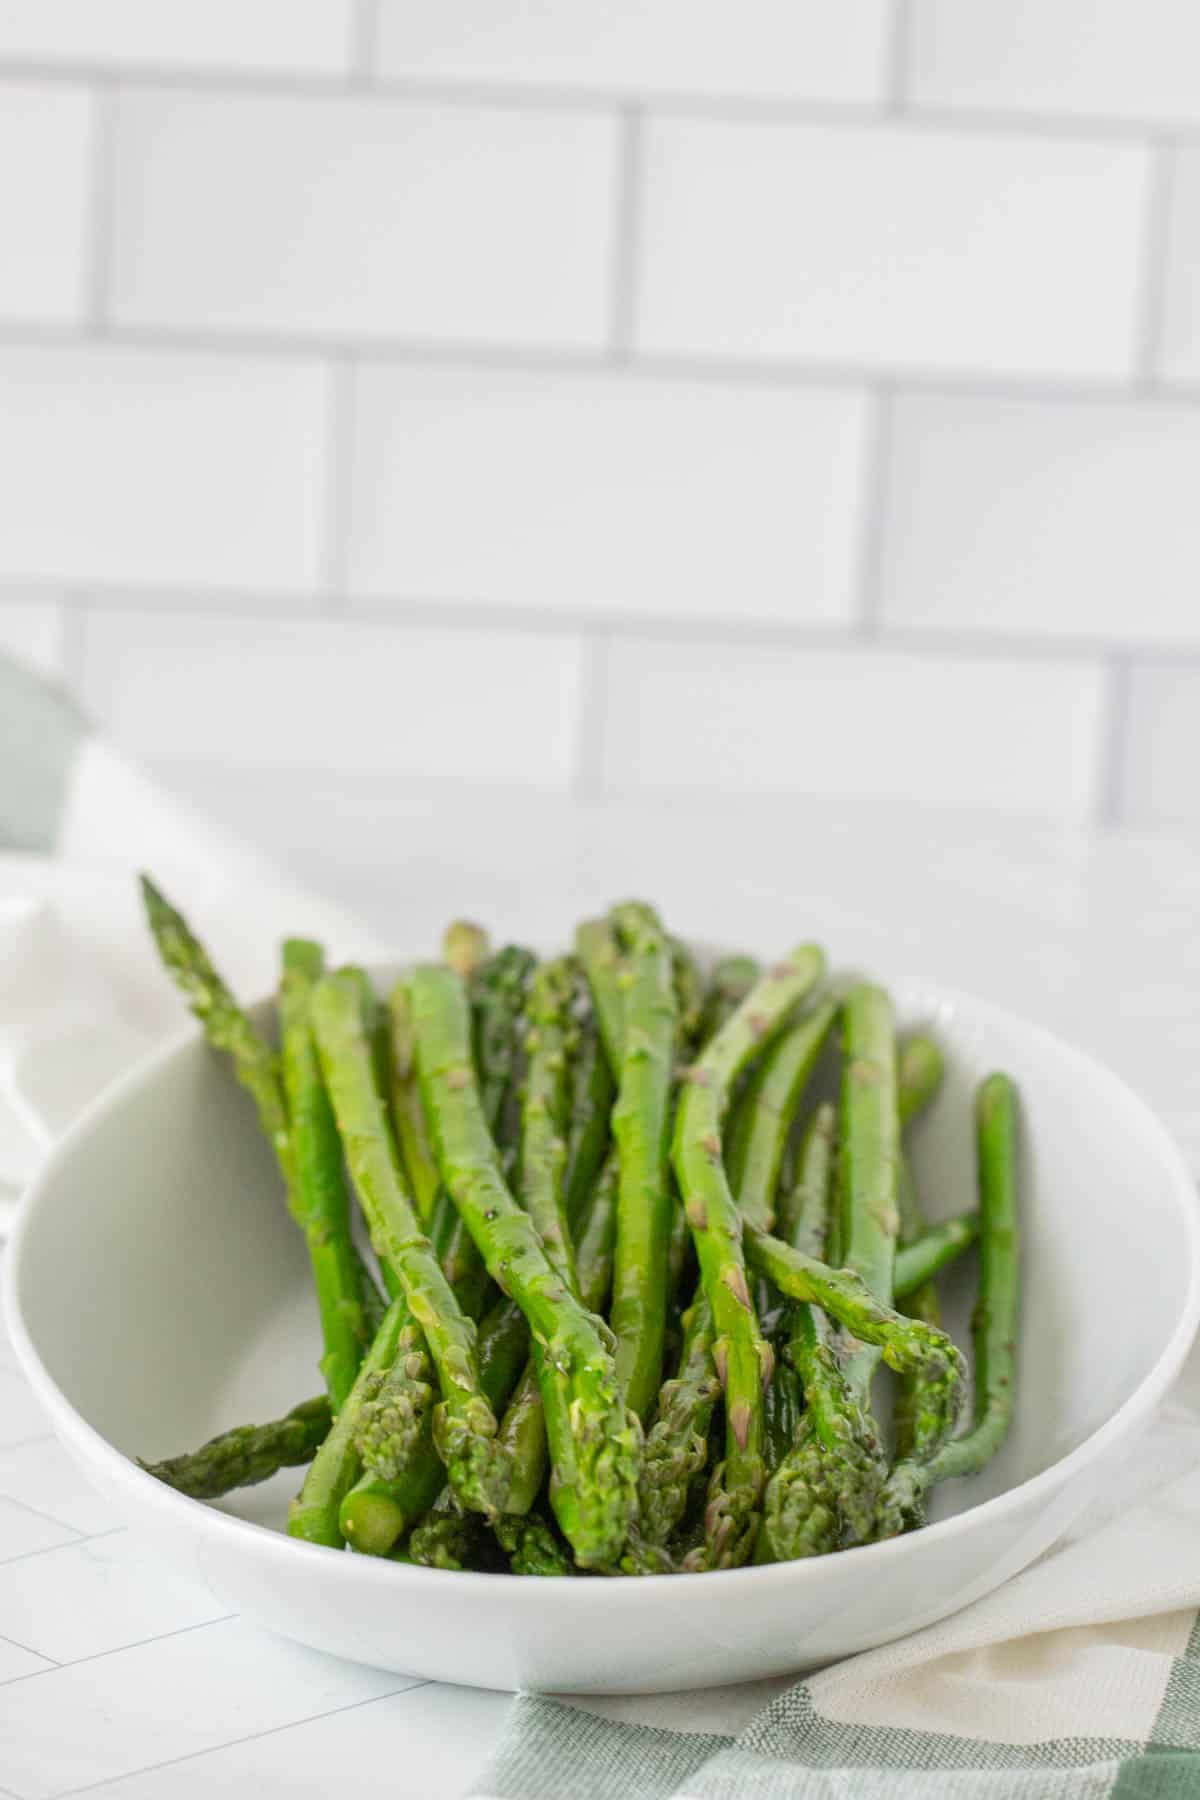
(897,54)
(1109,802)
(339,473)
(558,96)
(36,1512)
(182,598)
(872,526)
(782,374)
(364,41)
(83,1537)
(1155,250)
(414,611)
(78,1662)
(588,780)
(252,1737)
(102,206)
(1092,128)
(627,232)
(29,1651)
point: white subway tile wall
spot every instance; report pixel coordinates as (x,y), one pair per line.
(891,247)
(613,401)
(1091,59)
(122,464)
(1042,517)
(343,219)
(1164,743)
(318,694)
(45,145)
(988,732)
(758,48)
(309,36)
(641,498)
(1181,310)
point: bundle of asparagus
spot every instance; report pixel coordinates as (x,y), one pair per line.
(638,1275)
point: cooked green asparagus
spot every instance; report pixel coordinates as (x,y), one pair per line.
(574,1133)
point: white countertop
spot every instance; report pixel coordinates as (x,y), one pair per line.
(117,1680)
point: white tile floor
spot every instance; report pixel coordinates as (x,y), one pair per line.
(119,1679)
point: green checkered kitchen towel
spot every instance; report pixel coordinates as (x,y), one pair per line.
(1077,1680)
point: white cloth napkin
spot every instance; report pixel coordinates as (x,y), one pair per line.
(81,994)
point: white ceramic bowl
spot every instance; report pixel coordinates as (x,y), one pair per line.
(158,1293)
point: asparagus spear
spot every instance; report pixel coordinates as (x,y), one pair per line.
(229,1029)
(412,1133)
(393,1429)
(373,1303)
(805,1198)
(783,1405)
(523,1427)
(918,1262)
(743,1357)
(543,1157)
(597,1238)
(447,1539)
(318,1184)
(690,1001)
(869,1158)
(523,1434)
(313,1514)
(464,1423)
(905,1344)
(532,1545)
(993,1328)
(641,1125)
(465,947)
(677,1443)
(597,949)
(767,1111)
(248,1454)
(226,1026)
(592,1096)
(825,1488)
(920,1067)
(498,992)
(544,1104)
(376,1510)
(498,987)
(920,1070)
(393,1419)
(731,980)
(594,1440)
(679,1244)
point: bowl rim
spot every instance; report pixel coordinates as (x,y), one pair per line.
(197,1518)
